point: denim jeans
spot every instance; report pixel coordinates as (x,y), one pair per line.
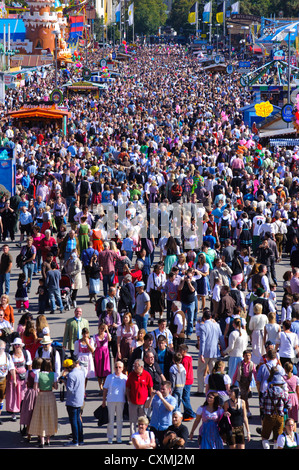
(38,262)
(178,394)
(55,297)
(76,423)
(189,310)
(188,411)
(5,279)
(28,269)
(141,321)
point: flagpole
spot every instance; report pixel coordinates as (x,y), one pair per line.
(210,34)
(120,25)
(196,11)
(224,15)
(133,24)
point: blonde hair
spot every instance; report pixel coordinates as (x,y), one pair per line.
(258,308)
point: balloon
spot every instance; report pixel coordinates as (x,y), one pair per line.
(76,54)
(297,115)
(124,42)
(249,143)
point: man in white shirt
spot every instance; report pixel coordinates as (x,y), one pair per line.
(177,324)
(46,351)
(258,220)
(114,396)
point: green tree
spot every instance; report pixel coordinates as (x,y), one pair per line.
(178,16)
(149,15)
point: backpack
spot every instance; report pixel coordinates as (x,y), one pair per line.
(98,306)
(56,346)
(59,348)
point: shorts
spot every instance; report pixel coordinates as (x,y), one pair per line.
(272,423)
(2,388)
(237,436)
(26,228)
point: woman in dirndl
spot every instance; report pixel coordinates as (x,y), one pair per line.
(31,393)
(83,351)
(224,227)
(126,335)
(209,413)
(15,393)
(245,232)
(44,421)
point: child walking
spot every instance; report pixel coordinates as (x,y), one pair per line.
(177,376)
(21,295)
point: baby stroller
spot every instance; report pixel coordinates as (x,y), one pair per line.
(66,291)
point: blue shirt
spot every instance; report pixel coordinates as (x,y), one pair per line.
(25,218)
(75,386)
(295,327)
(161,417)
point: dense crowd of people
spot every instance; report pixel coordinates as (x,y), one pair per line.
(166,206)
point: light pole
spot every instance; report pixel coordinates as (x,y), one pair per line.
(217,36)
(56,34)
(245,28)
(229,27)
(113,25)
(86,27)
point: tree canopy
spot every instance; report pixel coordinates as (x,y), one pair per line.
(149,15)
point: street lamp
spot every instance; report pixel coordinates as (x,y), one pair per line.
(229,27)
(86,26)
(56,34)
(245,28)
(217,36)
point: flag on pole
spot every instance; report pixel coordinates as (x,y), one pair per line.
(192,14)
(117,13)
(220,13)
(207,13)
(235,7)
(131,14)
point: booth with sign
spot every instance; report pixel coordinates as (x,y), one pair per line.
(7,171)
(85,88)
(39,115)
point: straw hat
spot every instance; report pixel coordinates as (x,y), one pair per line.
(46,340)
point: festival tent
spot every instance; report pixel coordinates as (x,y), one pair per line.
(34,115)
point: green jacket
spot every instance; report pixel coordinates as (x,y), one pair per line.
(71,331)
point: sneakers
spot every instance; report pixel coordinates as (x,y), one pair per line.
(71,444)
(266,444)
(119,441)
(190,418)
(110,441)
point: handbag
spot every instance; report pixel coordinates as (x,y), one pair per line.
(224,428)
(101,414)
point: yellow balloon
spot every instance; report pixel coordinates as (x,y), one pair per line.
(263,109)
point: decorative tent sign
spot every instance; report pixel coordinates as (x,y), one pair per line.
(263,109)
